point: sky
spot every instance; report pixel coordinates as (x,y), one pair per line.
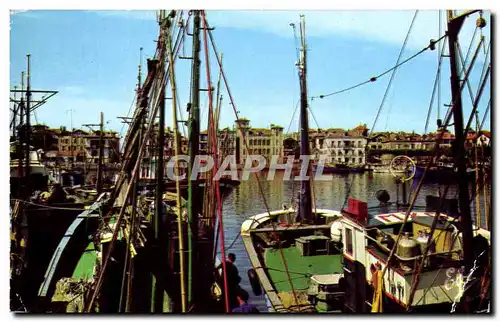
(91,58)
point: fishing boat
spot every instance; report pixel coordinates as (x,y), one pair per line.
(441,174)
(296,252)
(371,235)
(402,258)
(357,169)
(157,254)
(336,168)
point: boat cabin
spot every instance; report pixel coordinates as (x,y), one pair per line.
(369,236)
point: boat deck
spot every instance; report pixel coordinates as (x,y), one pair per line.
(300,268)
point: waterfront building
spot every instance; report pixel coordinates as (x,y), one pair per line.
(227,142)
(72,145)
(111,150)
(261,141)
(341,146)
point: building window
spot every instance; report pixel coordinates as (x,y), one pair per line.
(349,249)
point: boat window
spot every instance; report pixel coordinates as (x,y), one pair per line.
(348,241)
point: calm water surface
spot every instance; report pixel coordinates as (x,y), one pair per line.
(246,200)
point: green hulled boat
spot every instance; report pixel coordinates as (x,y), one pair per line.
(298,265)
(297,253)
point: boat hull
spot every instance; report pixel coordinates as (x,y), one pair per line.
(288,292)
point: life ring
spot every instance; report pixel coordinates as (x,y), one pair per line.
(254,282)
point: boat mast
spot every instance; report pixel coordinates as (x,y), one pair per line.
(194,145)
(305,209)
(20,136)
(100,173)
(454,25)
(158,280)
(177,145)
(28,112)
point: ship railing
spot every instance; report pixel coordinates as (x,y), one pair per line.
(401,258)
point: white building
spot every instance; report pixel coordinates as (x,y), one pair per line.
(341,146)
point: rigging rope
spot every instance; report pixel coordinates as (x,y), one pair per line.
(48,207)
(467,72)
(214,151)
(163,79)
(463,61)
(386,92)
(440,54)
(420,183)
(437,85)
(293,116)
(485,113)
(246,146)
(374,78)
(394,70)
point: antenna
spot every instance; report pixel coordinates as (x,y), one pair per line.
(139,76)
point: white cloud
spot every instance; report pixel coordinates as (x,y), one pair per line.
(370,25)
(379,26)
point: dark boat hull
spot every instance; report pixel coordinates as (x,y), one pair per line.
(439,175)
(330,169)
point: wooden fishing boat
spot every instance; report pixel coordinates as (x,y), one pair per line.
(287,257)
(369,235)
(296,253)
(337,168)
(408,260)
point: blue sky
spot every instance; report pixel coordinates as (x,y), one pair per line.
(91,58)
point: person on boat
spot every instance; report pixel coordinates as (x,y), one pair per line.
(57,194)
(233,279)
(244,306)
(231,269)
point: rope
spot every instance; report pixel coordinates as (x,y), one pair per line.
(246,145)
(464,61)
(416,278)
(128,113)
(485,113)
(440,54)
(314,117)
(293,116)
(154,103)
(214,151)
(48,207)
(395,69)
(374,78)
(466,78)
(387,91)
(436,85)
(234,241)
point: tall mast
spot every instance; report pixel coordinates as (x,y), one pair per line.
(305,209)
(177,145)
(158,281)
(454,25)
(139,74)
(101,154)
(16,108)
(28,125)
(21,136)
(218,98)
(194,144)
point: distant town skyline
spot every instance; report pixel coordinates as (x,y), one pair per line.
(91,58)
